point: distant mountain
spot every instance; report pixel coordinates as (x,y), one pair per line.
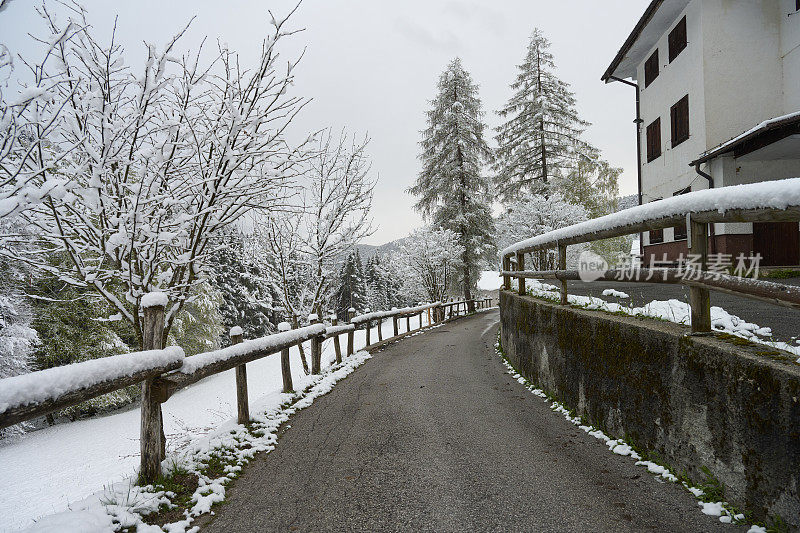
(369,250)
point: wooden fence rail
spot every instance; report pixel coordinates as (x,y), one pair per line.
(162,372)
(696,210)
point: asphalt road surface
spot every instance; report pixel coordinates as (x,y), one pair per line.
(785,322)
(433,435)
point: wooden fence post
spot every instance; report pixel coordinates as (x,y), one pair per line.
(242,403)
(380,333)
(350,334)
(369,333)
(506,278)
(408,323)
(336,346)
(699,299)
(151,437)
(394,326)
(420,320)
(286,367)
(521,266)
(562,265)
(316,351)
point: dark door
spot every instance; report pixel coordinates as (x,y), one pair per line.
(777,242)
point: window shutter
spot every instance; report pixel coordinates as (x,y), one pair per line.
(651,68)
(679,121)
(654,140)
(677,39)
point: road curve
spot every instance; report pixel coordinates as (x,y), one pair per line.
(432,435)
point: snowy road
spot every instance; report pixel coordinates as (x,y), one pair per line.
(433,435)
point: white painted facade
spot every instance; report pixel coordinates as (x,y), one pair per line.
(741,66)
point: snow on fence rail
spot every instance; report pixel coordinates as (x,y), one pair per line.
(164,371)
(39,393)
(769,201)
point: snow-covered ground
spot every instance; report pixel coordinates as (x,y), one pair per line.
(45,471)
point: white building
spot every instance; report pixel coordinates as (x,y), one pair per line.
(718,88)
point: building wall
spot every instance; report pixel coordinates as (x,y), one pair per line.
(670,172)
(743,75)
(790,52)
(741,66)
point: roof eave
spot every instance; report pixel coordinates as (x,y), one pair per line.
(626,46)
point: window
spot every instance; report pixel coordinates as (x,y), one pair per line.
(679,121)
(680,229)
(651,67)
(677,39)
(656,236)
(654,140)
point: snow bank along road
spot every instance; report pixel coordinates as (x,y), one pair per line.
(432,434)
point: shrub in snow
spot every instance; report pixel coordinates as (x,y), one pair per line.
(73,327)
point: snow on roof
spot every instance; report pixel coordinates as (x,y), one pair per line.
(727,146)
(52,383)
(264,344)
(778,194)
(153,299)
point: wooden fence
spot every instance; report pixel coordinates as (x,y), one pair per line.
(636,220)
(162,372)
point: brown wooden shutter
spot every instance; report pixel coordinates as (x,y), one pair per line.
(677,39)
(654,140)
(651,68)
(679,121)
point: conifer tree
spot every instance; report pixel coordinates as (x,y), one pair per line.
(540,135)
(453,192)
(248,296)
(351,292)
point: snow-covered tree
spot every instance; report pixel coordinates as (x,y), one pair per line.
(162,158)
(309,240)
(453,192)
(592,183)
(429,262)
(383,287)
(199,328)
(535,214)
(248,295)
(540,134)
(351,291)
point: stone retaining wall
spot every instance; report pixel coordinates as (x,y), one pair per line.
(729,405)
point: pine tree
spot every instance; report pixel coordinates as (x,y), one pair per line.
(248,297)
(539,137)
(351,292)
(453,193)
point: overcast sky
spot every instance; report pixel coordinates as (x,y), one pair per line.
(372,65)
